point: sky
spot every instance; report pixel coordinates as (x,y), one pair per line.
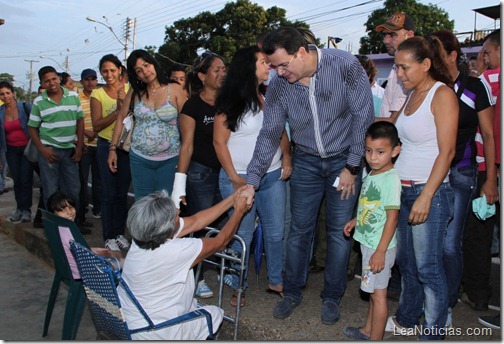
(51,32)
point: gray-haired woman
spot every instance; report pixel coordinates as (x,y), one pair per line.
(159,262)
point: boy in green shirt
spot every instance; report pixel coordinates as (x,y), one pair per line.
(375,225)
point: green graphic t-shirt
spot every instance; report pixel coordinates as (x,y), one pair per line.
(379,193)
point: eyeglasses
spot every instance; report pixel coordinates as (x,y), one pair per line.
(283,67)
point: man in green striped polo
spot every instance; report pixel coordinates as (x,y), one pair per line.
(56,119)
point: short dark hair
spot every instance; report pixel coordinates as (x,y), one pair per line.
(64,78)
(59,201)
(45,70)
(176,68)
(383,130)
(288,38)
(494,37)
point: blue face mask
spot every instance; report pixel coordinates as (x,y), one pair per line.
(482,209)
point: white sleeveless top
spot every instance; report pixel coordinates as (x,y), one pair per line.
(419,141)
(241,143)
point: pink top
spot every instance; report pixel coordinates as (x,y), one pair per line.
(14,134)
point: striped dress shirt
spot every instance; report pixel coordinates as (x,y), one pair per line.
(326,119)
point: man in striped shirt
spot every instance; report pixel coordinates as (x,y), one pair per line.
(56,117)
(324,95)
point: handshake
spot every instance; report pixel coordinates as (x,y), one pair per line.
(243,198)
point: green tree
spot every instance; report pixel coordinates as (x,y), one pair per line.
(235,26)
(428,19)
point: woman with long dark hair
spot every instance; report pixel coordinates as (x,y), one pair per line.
(115,184)
(236,127)
(155,147)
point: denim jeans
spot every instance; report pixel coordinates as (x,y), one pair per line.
(420,260)
(203,190)
(89,161)
(312,178)
(114,195)
(270,206)
(287,223)
(22,173)
(463,183)
(149,175)
(63,175)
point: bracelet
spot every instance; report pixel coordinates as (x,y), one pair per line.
(475,72)
(112,147)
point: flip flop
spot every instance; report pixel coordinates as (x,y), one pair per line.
(234,299)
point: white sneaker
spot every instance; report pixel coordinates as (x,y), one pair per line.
(393,326)
(111,244)
(122,242)
(449,319)
(203,290)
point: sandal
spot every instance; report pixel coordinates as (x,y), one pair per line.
(276,289)
(234,299)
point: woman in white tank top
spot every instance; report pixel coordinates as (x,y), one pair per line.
(236,127)
(427,126)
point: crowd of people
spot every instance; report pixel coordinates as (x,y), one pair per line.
(286,130)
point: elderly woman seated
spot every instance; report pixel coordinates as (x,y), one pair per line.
(159,262)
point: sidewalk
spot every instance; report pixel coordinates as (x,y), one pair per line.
(26,280)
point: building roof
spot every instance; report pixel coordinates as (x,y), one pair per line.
(491,12)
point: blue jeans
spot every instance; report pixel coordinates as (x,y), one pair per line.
(63,175)
(463,182)
(22,173)
(312,178)
(270,206)
(149,175)
(287,223)
(89,161)
(114,191)
(203,190)
(420,260)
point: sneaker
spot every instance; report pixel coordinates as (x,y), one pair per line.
(122,242)
(111,244)
(449,318)
(228,280)
(285,307)
(97,215)
(26,216)
(203,290)
(393,326)
(16,217)
(492,321)
(330,312)
(354,333)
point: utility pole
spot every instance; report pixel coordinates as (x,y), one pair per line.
(126,38)
(31,78)
(134,33)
